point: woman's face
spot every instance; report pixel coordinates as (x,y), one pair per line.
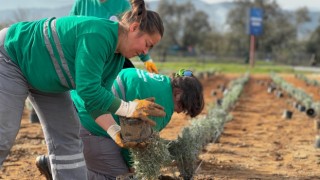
(138,42)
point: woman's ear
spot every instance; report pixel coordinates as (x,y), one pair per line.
(134,26)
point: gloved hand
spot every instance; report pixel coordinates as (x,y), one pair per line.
(147,107)
(151,66)
(141,109)
(114,133)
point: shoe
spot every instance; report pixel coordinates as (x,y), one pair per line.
(43,166)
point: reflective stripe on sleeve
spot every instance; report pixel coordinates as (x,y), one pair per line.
(114,91)
(121,87)
(58,45)
(53,59)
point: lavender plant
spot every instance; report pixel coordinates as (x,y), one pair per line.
(186,148)
(149,161)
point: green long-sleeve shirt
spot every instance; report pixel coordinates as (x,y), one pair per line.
(83,53)
(110,9)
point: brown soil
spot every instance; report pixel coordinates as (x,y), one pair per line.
(257,144)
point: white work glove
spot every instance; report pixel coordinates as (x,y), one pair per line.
(114,133)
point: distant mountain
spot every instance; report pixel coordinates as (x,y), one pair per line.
(217,13)
(307,28)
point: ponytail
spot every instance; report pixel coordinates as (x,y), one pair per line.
(150,21)
(139,11)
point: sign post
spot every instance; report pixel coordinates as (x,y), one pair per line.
(255,29)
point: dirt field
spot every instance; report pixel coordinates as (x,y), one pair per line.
(257,144)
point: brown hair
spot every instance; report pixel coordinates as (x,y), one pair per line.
(150,21)
(191,100)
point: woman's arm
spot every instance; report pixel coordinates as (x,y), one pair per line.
(105,121)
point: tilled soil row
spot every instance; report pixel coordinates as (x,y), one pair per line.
(259,144)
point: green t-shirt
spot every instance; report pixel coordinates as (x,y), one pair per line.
(87,45)
(135,84)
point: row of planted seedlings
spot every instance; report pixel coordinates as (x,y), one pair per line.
(316,114)
(184,151)
(308,81)
(304,99)
(206,74)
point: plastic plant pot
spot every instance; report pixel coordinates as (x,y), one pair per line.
(279,94)
(298,106)
(287,114)
(135,130)
(213,93)
(270,89)
(302,108)
(311,112)
(317,142)
(219,102)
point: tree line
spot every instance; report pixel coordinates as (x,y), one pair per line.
(188,31)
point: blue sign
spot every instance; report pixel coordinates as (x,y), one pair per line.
(255,21)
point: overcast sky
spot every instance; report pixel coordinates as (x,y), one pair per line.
(287,4)
(15,4)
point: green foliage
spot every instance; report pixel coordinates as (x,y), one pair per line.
(279,33)
(197,23)
(233,94)
(148,161)
(186,148)
(197,65)
(204,130)
(308,81)
(181,21)
(185,151)
(300,95)
(313,45)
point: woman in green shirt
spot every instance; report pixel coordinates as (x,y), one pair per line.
(109,9)
(112,10)
(46,58)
